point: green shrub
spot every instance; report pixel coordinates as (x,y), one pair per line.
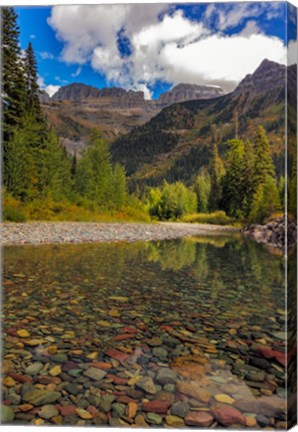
(13,214)
(217,218)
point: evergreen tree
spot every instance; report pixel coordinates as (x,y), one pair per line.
(202,188)
(54,174)
(94,175)
(217,171)
(234,181)
(119,187)
(13,84)
(248,177)
(74,162)
(263,161)
(265,201)
(32,88)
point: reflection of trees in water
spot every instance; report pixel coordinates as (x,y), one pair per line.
(70,262)
(172,255)
(243,269)
(239,268)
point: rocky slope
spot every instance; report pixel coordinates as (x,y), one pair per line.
(185,92)
(77,108)
(268,76)
(176,143)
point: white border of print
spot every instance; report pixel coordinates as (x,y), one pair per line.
(70,2)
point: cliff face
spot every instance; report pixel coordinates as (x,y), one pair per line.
(114,96)
(268,76)
(75,91)
(185,92)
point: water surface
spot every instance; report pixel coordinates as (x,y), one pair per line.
(197,324)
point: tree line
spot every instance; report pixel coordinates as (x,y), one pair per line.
(243,184)
(36,166)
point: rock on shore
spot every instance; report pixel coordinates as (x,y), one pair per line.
(274,233)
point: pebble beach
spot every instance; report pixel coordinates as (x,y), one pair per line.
(81,232)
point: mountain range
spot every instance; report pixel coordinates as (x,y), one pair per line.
(172,137)
(76,108)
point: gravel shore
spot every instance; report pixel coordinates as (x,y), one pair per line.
(82,232)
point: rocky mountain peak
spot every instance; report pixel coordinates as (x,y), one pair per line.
(268,76)
(184,92)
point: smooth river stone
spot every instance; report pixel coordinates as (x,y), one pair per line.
(198,418)
(166,376)
(194,391)
(33,369)
(228,416)
(156,406)
(41,397)
(7,414)
(147,385)
(95,374)
(48,411)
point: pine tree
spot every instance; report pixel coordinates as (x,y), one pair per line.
(265,201)
(119,187)
(249,179)
(32,87)
(74,162)
(94,175)
(263,161)
(217,171)
(233,198)
(13,84)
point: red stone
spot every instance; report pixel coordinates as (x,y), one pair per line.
(125,399)
(69,365)
(124,336)
(228,416)
(66,410)
(128,330)
(166,327)
(197,418)
(117,380)
(117,355)
(21,378)
(101,365)
(269,353)
(92,410)
(156,406)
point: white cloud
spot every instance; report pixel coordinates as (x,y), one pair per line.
(227,16)
(50,89)
(77,72)
(250,28)
(46,55)
(33,36)
(147,92)
(165,45)
(229,60)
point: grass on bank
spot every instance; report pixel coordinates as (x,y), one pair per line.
(216,218)
(53,211)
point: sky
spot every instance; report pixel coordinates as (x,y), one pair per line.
(152,47)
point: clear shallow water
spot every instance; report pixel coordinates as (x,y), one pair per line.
(197,324)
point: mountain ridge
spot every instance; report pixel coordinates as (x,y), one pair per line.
(177,143)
